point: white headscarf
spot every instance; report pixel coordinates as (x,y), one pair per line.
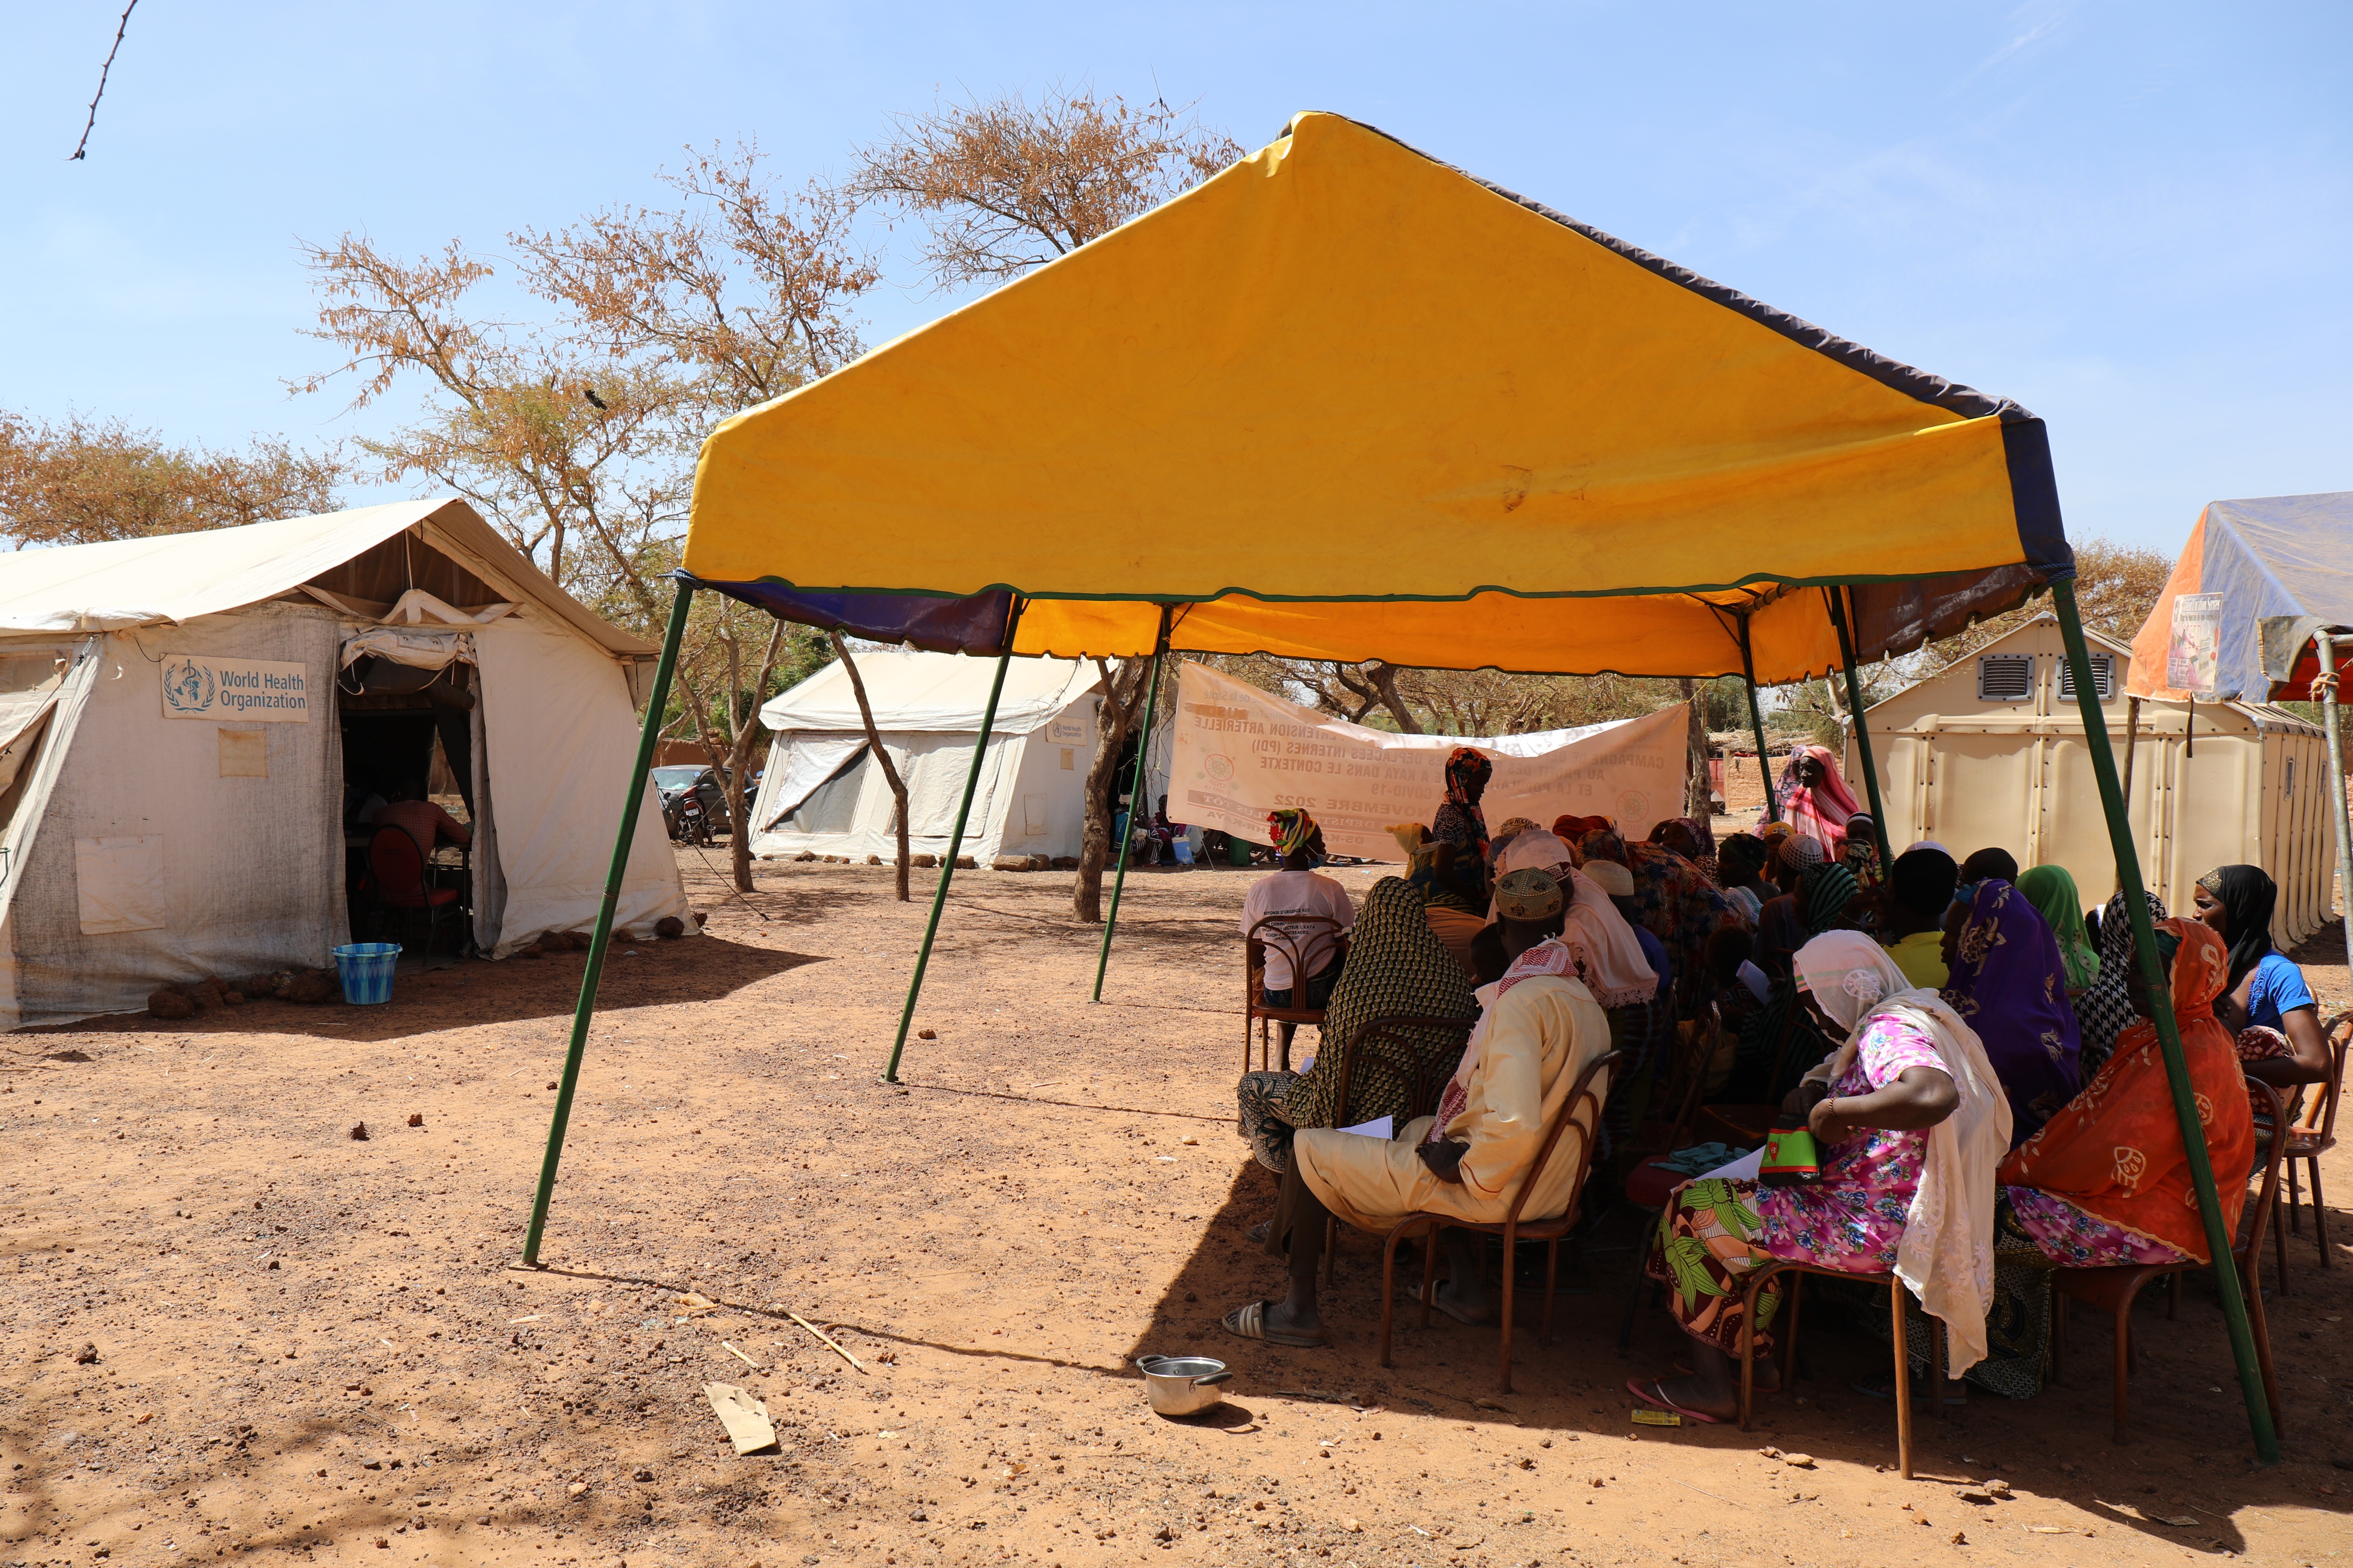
(1946,1258)
(1608,955)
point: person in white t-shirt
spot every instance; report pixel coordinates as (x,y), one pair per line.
(1298,890)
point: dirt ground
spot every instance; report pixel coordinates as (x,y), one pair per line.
(317,1347)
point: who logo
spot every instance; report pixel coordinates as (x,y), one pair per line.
(188,687)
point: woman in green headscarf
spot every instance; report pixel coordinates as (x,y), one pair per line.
(2052,890)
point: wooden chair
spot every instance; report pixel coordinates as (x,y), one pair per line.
(1294,937)
(2116,1287)
(1897,1294)
(2310,1135)
(1548,1231)
(397,880)
(1436,1069)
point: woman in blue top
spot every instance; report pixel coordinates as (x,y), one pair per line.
(2266,1003)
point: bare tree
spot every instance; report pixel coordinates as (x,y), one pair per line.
(1003,186)
(881,756)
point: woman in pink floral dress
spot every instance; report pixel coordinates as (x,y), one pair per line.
(1909,1098)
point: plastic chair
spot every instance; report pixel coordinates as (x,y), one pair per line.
(396,880)
(1436,1069)
(1512,1231)
(2116,1287)
(1296,937)
(2310,1136)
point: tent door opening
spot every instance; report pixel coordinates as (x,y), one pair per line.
(410,735)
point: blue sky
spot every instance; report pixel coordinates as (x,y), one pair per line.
(2137,220)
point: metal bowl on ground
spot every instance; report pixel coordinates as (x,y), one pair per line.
(1182,1384)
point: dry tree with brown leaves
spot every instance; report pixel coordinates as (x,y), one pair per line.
(1002,186)
(81,480)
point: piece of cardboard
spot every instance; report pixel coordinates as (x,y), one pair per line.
(745,1418)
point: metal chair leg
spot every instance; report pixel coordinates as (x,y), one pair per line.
(1503,1382)
(1896,1296)
(2319,1210)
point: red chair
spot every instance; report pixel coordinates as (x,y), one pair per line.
(396,881)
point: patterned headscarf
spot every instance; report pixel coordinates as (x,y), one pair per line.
(1292,829)
(2105,1010)
(1569,830)
(1686,837)
(1823,893)
(2009,984)
(1464,767)
(1512,828)
(1397,969)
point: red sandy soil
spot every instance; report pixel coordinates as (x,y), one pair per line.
(318,1349)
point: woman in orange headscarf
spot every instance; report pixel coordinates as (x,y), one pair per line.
(2106,1180)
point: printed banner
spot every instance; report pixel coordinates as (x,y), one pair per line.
(198,687)
(1241,753)
(2193,652)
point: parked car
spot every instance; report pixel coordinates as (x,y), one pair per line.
(674,783)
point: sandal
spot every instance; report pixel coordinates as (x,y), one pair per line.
(1656,1397)
(1249,1323)
(1258,1233)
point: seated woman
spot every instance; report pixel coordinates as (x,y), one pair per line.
(1910,1131)
(2052,890)
(1471,1158)
(1740,872)
(1397,968)
(1673,899)
(2008,983)
(1780,1037)
(2266,1005)
(2072,1187)
(1688,838)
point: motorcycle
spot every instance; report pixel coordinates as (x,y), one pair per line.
(690,822)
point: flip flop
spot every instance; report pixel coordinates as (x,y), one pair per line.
(1258,1233)
(1249,1323)
(1657,1398)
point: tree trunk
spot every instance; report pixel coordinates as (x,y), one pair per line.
(1122,687)
(1696,803)
(1384,678)
(881,755)
(739,762)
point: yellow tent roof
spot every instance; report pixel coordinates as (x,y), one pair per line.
(1344,401)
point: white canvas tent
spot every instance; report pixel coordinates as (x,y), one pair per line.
(173,718)
(823,794)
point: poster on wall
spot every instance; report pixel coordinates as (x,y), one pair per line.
(2193,650)
(1241,753)
(196,685)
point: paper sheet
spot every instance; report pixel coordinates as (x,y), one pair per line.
(1744,1169)
(1379,1127)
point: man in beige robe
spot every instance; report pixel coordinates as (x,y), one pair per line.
(1542,1029)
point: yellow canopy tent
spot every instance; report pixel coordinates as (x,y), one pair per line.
(1343,401)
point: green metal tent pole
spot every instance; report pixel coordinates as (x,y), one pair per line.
(2219,1240)
(1134,799)
(648,734)
(2339,816)
(1861,730)
(955,846)
(1757,722)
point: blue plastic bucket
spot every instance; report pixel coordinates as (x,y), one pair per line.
(365,969)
